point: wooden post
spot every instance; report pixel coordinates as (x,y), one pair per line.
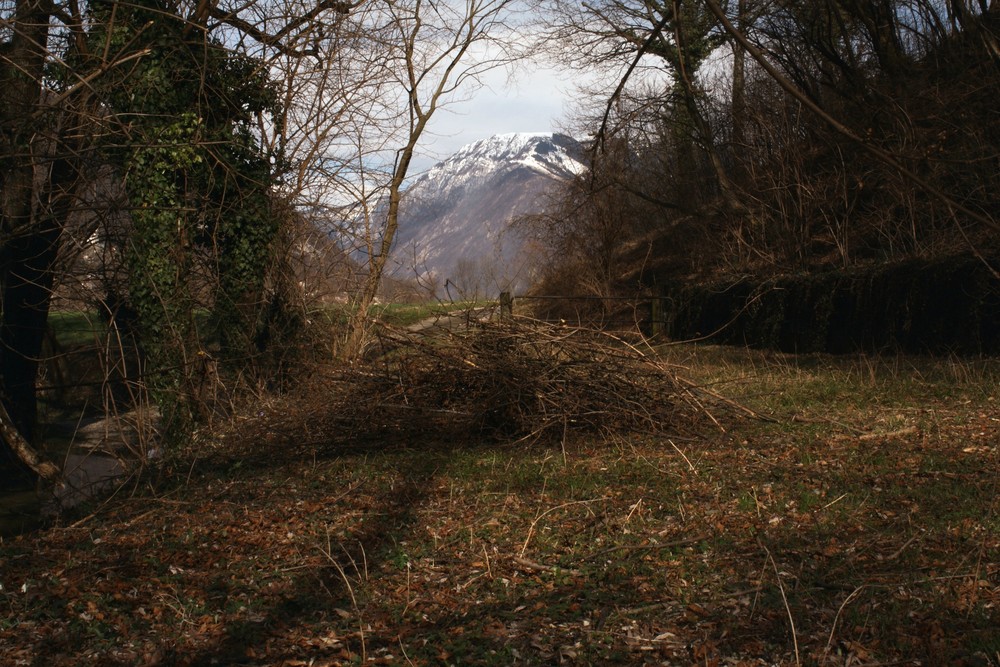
(506,306)
(656,316)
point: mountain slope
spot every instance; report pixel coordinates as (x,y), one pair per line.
(453,217)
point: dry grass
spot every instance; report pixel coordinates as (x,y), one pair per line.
(858,528)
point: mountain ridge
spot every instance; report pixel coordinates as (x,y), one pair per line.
(454,217)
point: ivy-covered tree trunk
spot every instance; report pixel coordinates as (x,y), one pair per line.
(183,113)
(158,260)
(245,240)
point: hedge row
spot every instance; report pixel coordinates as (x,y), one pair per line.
(938,307)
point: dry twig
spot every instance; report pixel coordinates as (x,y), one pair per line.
(521,381)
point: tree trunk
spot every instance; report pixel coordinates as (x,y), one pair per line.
(25,453)
(357,330)
(701,124)
(27,247)
(739,102)
(27,290)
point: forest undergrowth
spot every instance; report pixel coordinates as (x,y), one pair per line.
(848,516)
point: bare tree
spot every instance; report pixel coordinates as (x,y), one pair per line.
(857,116)
(435,50)
(36,184)
(847,132)
(633,39)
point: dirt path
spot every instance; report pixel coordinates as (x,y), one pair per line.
(458,320)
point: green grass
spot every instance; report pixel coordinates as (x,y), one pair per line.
(470,552)
(407,314)
(76,328)
(401,314)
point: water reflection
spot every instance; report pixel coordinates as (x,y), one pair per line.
(94,465)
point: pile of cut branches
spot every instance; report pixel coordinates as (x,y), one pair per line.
(537,380)
(524,380)
(520,381)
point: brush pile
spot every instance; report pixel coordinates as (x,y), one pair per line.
(538,380)
(521,381)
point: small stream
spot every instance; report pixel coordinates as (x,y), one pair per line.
(90,470)
(87,475)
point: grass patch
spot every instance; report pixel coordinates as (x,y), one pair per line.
(402,314)
(75,328)
(866,511)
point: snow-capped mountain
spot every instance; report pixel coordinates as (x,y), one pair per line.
(454,217)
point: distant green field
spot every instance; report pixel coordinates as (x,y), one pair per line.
(407,314)
(74,328)
(77,328)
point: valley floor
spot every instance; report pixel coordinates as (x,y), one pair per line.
(860,527)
